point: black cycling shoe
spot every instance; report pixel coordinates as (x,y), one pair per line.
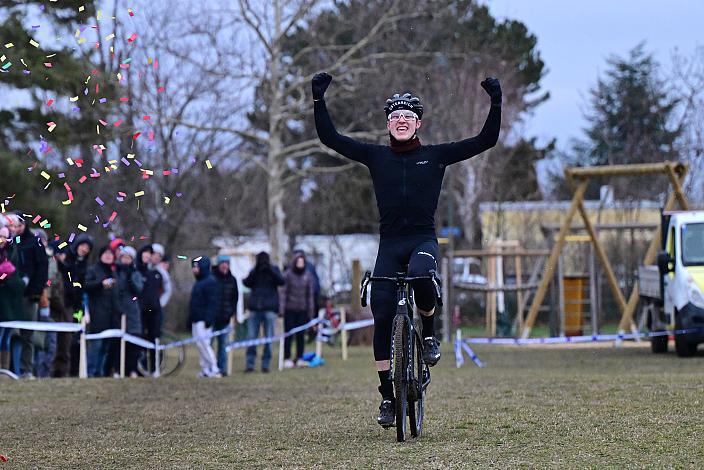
(431,351)
(387,413)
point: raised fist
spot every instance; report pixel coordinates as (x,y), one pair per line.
(319,84)
(493,88)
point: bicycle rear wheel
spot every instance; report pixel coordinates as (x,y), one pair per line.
(171,360)
(416,390)
(399,364)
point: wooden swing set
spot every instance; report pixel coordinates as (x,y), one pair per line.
(578,179)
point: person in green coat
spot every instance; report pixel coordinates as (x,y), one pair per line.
(11,293)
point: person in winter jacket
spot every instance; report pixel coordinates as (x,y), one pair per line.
(228,294)
(157,260)
(57,297)
(33,266)
(45,342)
(310,267)
(11,293)
(103,308)
(201,313)
(152,316)
(73,268)
(130,284)
(296,305)
(263,280)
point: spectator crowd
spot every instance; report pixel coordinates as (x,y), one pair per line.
(52,281)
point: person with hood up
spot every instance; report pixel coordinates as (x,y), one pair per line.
(11,293)
(130,284)
(297,306)
(57,294)
(149,300)
(33,266)
(310,267)
(228,294)
(264,280)
(103,308)
(201,313)
(73,268)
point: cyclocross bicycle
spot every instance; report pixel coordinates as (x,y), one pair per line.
(410,375)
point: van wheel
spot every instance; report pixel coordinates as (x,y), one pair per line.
(658,344)
(684,346)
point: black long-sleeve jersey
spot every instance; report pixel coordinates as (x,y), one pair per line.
(407,185)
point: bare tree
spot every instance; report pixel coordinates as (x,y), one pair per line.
(688,77)
(283,83)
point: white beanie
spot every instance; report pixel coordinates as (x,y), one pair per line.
(158,248)
(128,250)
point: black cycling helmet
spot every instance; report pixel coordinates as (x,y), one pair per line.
(405,101)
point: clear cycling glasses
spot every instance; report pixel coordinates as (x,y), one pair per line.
(407,115)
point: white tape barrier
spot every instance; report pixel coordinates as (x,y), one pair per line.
(106,334)
(463,344)
(115,333)
(355,325)
(272,339)
(579,339)
(327,331)
(42,326)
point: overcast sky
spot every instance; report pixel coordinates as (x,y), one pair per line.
(575,38)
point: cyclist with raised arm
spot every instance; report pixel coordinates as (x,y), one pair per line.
(407,178)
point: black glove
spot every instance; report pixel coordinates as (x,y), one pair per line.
(493,88)
(320,83)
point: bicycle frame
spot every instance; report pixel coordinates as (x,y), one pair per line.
(406,348)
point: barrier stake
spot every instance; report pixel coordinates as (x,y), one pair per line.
(319,344)
(458,343)
(343,332)
(231,338)
(157,358)
(123,323)
(82,362)
(281,353)
(281,350)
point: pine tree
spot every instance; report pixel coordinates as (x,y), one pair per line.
(630,121)
(55,93)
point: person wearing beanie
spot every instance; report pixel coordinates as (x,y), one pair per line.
(228,294)
(152,314)
(158,258)
(51,307)
(202,309)
(297,306)
(130,284)
(407,178)
(33,266)
(263,280)
(103,308)
(116,244)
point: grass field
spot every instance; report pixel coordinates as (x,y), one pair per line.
(586,407)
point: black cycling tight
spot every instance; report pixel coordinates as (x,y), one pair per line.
(420,253)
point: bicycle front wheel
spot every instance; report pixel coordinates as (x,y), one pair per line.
(416,389)
(399,366)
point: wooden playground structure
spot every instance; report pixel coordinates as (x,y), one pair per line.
(578,178)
